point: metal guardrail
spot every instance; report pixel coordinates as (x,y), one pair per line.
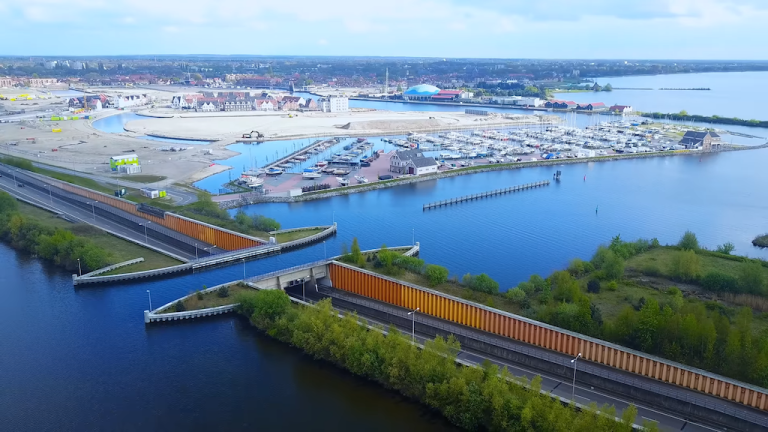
(525,349)
(286,271)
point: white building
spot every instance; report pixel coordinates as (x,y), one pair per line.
(77,65)
(126,101)
(334,104)
(412,162)
(264,105)
(208,107)
(518,100)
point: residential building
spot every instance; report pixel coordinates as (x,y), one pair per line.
(412,162)
(41,82)
(291,103)
(706,141)
(334,104)
(594,106)
(560,104)
(241,104)
(621,109)
(309,105)
(7,82)
(264,104)
(125,101)
(208,106)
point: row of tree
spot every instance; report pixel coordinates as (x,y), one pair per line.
(206,210)
(54,244)
(473,398)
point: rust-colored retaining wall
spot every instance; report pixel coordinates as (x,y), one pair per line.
(213,235)
(540,334)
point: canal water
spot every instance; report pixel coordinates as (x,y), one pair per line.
(82,359)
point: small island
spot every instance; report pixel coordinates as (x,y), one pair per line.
(761,241)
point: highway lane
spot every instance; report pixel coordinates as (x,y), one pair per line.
(667,421)
(8,184)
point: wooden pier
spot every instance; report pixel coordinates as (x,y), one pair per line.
(481,195)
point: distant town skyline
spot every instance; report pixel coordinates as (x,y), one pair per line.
(649,29)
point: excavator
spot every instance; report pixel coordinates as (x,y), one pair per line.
(253,134)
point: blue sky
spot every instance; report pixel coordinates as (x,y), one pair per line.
(621,29)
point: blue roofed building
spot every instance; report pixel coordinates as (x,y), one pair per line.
(421,92)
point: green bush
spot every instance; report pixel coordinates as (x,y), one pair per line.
(613,266)
(684,266)
(516,295)
(179,307)
(527,287)
(752,278)
(436,274)
(688,242)
(199,295)
(719,282)
(612,286)
(576,267)
(593,286)
(725,248)
(223,292)
(651,269)
(483,283)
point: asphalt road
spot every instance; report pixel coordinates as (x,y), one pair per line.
(559,387)
(73,212)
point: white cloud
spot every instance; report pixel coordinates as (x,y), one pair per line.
(322,42)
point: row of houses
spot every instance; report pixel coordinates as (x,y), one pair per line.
(247,101)
(27,82)
(97,102)
(593,106)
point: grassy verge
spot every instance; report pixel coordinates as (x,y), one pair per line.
(295,235)
(143,178)
(211,299)
(120,249)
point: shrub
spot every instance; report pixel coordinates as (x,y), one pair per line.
(688,242)
(223,292)
(719,282)
(651,269)
(598,259)
(684,266)
(538,282)
(588,267)
(527,287)
(593,286)
(269,305)
(436,274)
(612,286)
(576,267)
(263,223)
(179,306)
(516,295)
(613,266)
(752,278)
(725,248)
(199,295)
(674,291)
(484,283)
(655,243)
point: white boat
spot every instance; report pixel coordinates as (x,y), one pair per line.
(342,181)
(274,172)
(322,164)
(301,158)
(310,175)
(361,179)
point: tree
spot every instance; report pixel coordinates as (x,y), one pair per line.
(269,305)
(436,274)
(688,242)
(683,113)
(8,204)
(608,87)
(726,248)
(613,266)
(684,266)
(355,254)
(399,88)
(263,223)
(197,77)
(564,287)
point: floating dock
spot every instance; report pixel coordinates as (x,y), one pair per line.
(484,195)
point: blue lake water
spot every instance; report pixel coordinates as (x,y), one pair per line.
(116,124)
(737,94)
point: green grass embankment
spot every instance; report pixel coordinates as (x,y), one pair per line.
(296,235)
(120,250)
(211,299)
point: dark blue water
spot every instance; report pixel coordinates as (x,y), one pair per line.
(116,124)
(720,197)
(82,359)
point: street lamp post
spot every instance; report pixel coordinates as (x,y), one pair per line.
(325,250)
(413,236)
(50,194)
(93,209)
(413,324)
(196,251)
(146,238)
(573,394)
(150,300)
(243,269)
(79,268)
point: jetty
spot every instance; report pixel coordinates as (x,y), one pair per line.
(482,195)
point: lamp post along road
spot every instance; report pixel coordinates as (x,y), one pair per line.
(573,387)
(413,324)
(150,300)
(79,269)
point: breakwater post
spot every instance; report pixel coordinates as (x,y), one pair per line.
(484,194)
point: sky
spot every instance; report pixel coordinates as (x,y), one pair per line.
(567,29)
